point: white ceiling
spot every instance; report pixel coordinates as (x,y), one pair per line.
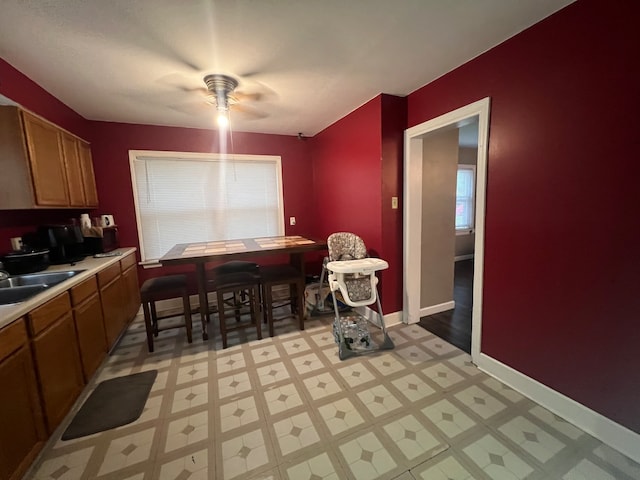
(312,61)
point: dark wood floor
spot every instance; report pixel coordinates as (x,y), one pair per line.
(454,326)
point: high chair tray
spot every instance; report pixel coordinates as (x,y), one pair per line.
(363,265)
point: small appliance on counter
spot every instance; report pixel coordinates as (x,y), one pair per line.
(100,239)
(65,243)
(26,260)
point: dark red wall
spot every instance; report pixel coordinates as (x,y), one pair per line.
(560,300)
(347,173)
(112,142)
(24,91)
(357,169)
(394,121)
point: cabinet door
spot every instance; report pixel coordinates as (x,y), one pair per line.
(22,433)
(58,364)
(75,181)
(113,309)
(47,166)
(88,177)
(91,337)
(132,292)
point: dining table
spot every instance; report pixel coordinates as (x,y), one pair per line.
(199,254)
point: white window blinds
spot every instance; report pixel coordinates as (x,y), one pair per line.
(465,192)
(182,198)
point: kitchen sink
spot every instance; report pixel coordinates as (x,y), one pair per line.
(19,288)
(20,294)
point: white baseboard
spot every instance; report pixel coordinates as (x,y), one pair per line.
(390,319)
(176,303)
(458,258)
(441,307)
(594,423)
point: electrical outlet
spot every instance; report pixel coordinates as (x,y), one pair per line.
(394,202)
(292,220)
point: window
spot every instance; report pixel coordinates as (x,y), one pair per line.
(195,197)
(465,193)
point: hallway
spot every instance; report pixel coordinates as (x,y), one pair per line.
(454,326)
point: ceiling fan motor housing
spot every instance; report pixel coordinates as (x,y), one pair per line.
(221,86)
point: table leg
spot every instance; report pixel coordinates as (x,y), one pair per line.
(297,260)
(202,297)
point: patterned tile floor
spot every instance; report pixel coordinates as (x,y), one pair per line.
(288,408)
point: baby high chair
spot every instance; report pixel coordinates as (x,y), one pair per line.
(353,274)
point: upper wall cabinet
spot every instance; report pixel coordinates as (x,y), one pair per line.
(43,165)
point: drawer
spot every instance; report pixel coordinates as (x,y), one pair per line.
(128,261)
(108,274)
(12,337)
(45,315)
(84,290)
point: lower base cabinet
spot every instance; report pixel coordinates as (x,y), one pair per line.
(22,431)
(47,357)
(91,336)
(113,309)
(89,322)
(120,297)
(59,370)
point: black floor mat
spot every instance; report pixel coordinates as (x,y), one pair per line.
(114,402)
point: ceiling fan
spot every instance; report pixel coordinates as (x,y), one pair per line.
(221,92)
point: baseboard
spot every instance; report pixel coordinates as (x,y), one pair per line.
(459,258)
(594,423)
(441,307)
(372,316)
(171,304)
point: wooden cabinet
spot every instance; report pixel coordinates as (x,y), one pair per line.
(89,323)
(112,298)
(46,162)
(131,287)
(47,357)
(22,432)
(73,169)
(120,296)
(43,165)
(88,177)
(57,360)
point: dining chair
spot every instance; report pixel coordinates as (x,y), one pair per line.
(237,288)
(289,276)
(164,288)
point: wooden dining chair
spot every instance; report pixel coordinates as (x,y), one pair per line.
(237,287)
(164,288)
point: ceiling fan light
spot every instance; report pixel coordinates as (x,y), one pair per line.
(223,119)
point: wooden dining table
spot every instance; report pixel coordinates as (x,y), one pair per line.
(201,253)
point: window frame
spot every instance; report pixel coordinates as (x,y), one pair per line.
(471,228)
(147,155)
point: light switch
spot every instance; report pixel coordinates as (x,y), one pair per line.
(394,202)
(292,220)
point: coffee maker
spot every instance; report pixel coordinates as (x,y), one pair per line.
(65,243)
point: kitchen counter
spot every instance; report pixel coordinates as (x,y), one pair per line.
(90,265)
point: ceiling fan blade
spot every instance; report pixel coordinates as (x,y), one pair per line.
(185,83)
(192,108)
(254,91)
(247,112)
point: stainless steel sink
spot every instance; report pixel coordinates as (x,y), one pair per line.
(20,294)
(19,288)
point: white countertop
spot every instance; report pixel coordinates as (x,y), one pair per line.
(90,265)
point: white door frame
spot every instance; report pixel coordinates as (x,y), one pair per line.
(413,141)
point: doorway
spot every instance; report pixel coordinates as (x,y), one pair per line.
(414,195)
